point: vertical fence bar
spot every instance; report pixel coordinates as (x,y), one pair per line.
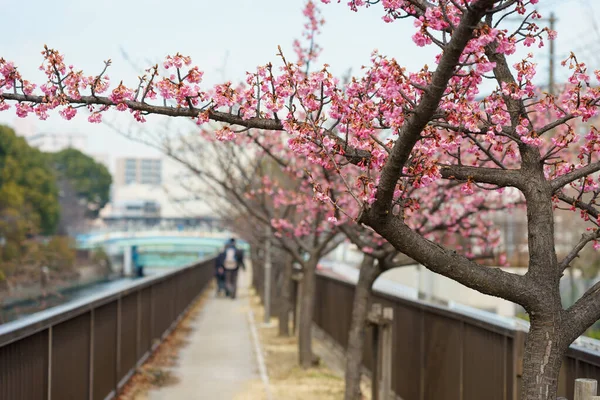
(376,312)
(50,362)
(152,319)
(386,353)
(118,348)
(138,339)
(91,367)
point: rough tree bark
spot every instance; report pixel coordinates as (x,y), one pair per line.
(544,351)
(369,271)
(307,309)
(286,300)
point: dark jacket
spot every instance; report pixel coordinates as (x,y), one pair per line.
(239,257)
(219,268)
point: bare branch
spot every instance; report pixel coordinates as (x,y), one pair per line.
(574,175)
(585,239)
(493,176)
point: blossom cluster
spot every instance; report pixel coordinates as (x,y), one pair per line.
(330,124)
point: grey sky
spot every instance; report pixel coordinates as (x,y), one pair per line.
(249,31)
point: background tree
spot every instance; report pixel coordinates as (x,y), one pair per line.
(28,196)
(28,200)
(89,179)
(26,184)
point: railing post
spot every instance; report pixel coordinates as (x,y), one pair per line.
(585,388)
(380,319)
(386,353)
(374,317)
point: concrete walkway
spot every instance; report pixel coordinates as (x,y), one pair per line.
(219,358)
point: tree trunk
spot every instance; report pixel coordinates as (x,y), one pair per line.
(358,326)
(286,300)
(307,309)
(574,294)
(544,351)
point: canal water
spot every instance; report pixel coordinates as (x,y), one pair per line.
(161,253)
(20,309)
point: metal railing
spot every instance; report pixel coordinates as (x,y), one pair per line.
(439,353)
(89,349)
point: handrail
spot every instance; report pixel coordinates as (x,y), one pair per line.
(89,348)
(21,328)
(584,348)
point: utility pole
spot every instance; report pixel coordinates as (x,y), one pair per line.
(551,64)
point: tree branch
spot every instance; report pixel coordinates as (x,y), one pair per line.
(582,314)
(585,239)
(582,172)
(487,280)
(411,131)
(494,176)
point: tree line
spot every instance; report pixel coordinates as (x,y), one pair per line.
(44,195)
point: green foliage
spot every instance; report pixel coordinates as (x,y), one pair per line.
(59,253)
(593,333)
(91,180)
(523,315)
(100,256)
(10,251)
(28,194)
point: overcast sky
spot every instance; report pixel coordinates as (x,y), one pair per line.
(235,34)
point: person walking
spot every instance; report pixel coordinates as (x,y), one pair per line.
(233,260)
(220,272)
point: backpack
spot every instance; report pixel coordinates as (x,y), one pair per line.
(230,262)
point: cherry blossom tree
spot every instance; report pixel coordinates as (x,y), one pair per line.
(401,130)
(257,175)
(433,219)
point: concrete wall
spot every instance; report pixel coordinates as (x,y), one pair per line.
(440,288)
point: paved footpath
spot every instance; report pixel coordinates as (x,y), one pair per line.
(219,358)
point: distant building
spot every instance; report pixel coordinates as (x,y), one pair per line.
(142,171)
(141,206)
(136,209)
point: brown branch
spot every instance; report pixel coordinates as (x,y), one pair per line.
(258,123)
(581,315)
(585,239)
(487,280)
(411,131)
(493,176)
(574,175)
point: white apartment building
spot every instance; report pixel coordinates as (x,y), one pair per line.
(141,171)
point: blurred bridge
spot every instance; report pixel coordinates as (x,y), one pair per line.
(156,248)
